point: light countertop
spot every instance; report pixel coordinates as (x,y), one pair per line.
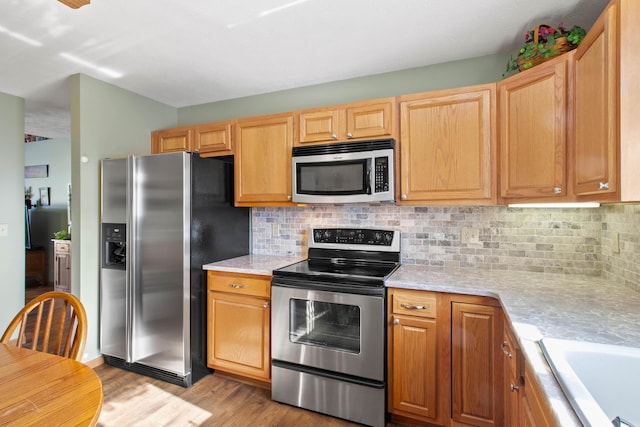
(252,264)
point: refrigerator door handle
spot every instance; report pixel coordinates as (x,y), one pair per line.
(131,258)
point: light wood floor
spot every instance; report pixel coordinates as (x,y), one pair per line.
(135,400)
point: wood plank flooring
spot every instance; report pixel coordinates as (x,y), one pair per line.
(136,400)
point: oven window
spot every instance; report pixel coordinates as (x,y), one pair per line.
(329,325)
(326,178)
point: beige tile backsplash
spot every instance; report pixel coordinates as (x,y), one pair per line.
(570,241)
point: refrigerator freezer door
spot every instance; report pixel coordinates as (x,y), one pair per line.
(160,230)
(114,334)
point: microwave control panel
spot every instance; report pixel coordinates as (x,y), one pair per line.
(381,174)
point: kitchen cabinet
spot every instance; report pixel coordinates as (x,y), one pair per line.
(238,324)
(596,113)
(418,356)
(513,370)
(476,368)
(534,409)
(213,139)
(263,160)
(171,140)
(533,111)
(355,121)
(448,146)
(62,265)
(208,139)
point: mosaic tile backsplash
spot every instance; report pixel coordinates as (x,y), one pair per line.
(569,241)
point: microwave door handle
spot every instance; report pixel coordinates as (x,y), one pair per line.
(369,176)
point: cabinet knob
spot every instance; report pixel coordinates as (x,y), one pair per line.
(289,198)
(603,186)
(349,135)
(557,190)
(396,321)
(403,197)
(234,286)
(266,304)
(514,387)
(334,136)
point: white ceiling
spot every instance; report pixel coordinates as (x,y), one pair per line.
(192,52)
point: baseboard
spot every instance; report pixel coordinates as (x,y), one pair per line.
(94,363)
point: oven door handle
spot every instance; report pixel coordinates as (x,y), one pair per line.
(329,287)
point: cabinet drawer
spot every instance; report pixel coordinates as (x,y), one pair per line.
(238,283)
(414,303)
(63,247)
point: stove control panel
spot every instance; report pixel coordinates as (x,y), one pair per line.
(353,236)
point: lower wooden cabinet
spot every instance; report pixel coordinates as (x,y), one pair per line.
(476,369)
(418,363)
(62,265)
(513,381)
(238,324)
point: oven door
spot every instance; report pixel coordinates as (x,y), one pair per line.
(328,330)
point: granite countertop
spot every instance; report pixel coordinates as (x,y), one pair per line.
(252,264)
(538,305)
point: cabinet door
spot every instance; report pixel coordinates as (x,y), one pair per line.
(319,126)
(476,383)
(512,364)
(263,160)
(213,138)
(533,132)
(238,335)
(448,146)
(62,272)
(596,112)
(414,382)
(170,140)
(370,120)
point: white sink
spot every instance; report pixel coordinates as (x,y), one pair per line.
(601,381)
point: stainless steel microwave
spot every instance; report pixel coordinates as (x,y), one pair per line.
(350,172)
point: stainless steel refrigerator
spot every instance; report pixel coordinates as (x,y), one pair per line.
(163,216)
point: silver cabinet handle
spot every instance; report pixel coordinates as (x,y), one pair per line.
(557,190)
(603,186)
(266,304)
(334,136)
(349,135)
(396,321)
(504,347)
(234,286)
(403,197)
(514,387)
(413,307)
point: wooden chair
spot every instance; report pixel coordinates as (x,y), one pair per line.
(64,320)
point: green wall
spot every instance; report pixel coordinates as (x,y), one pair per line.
(106,121)
(12,212)
(466,72)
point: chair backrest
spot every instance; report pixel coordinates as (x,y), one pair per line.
(54,322)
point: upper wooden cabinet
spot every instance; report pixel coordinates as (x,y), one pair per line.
(209,139)
(263,160)
(448,146)
(361,120)
(214,138)
(170,140)
(596,112)
(533,119)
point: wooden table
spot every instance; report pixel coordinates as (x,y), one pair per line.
(42,389)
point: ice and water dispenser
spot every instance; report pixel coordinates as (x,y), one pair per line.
(114,241)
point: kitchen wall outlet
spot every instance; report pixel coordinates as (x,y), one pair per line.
(470,235)
(4,230)
(615,242)
(275,230)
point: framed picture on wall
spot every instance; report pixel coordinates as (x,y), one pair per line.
(44,196)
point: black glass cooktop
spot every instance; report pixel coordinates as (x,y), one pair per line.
(336,269)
